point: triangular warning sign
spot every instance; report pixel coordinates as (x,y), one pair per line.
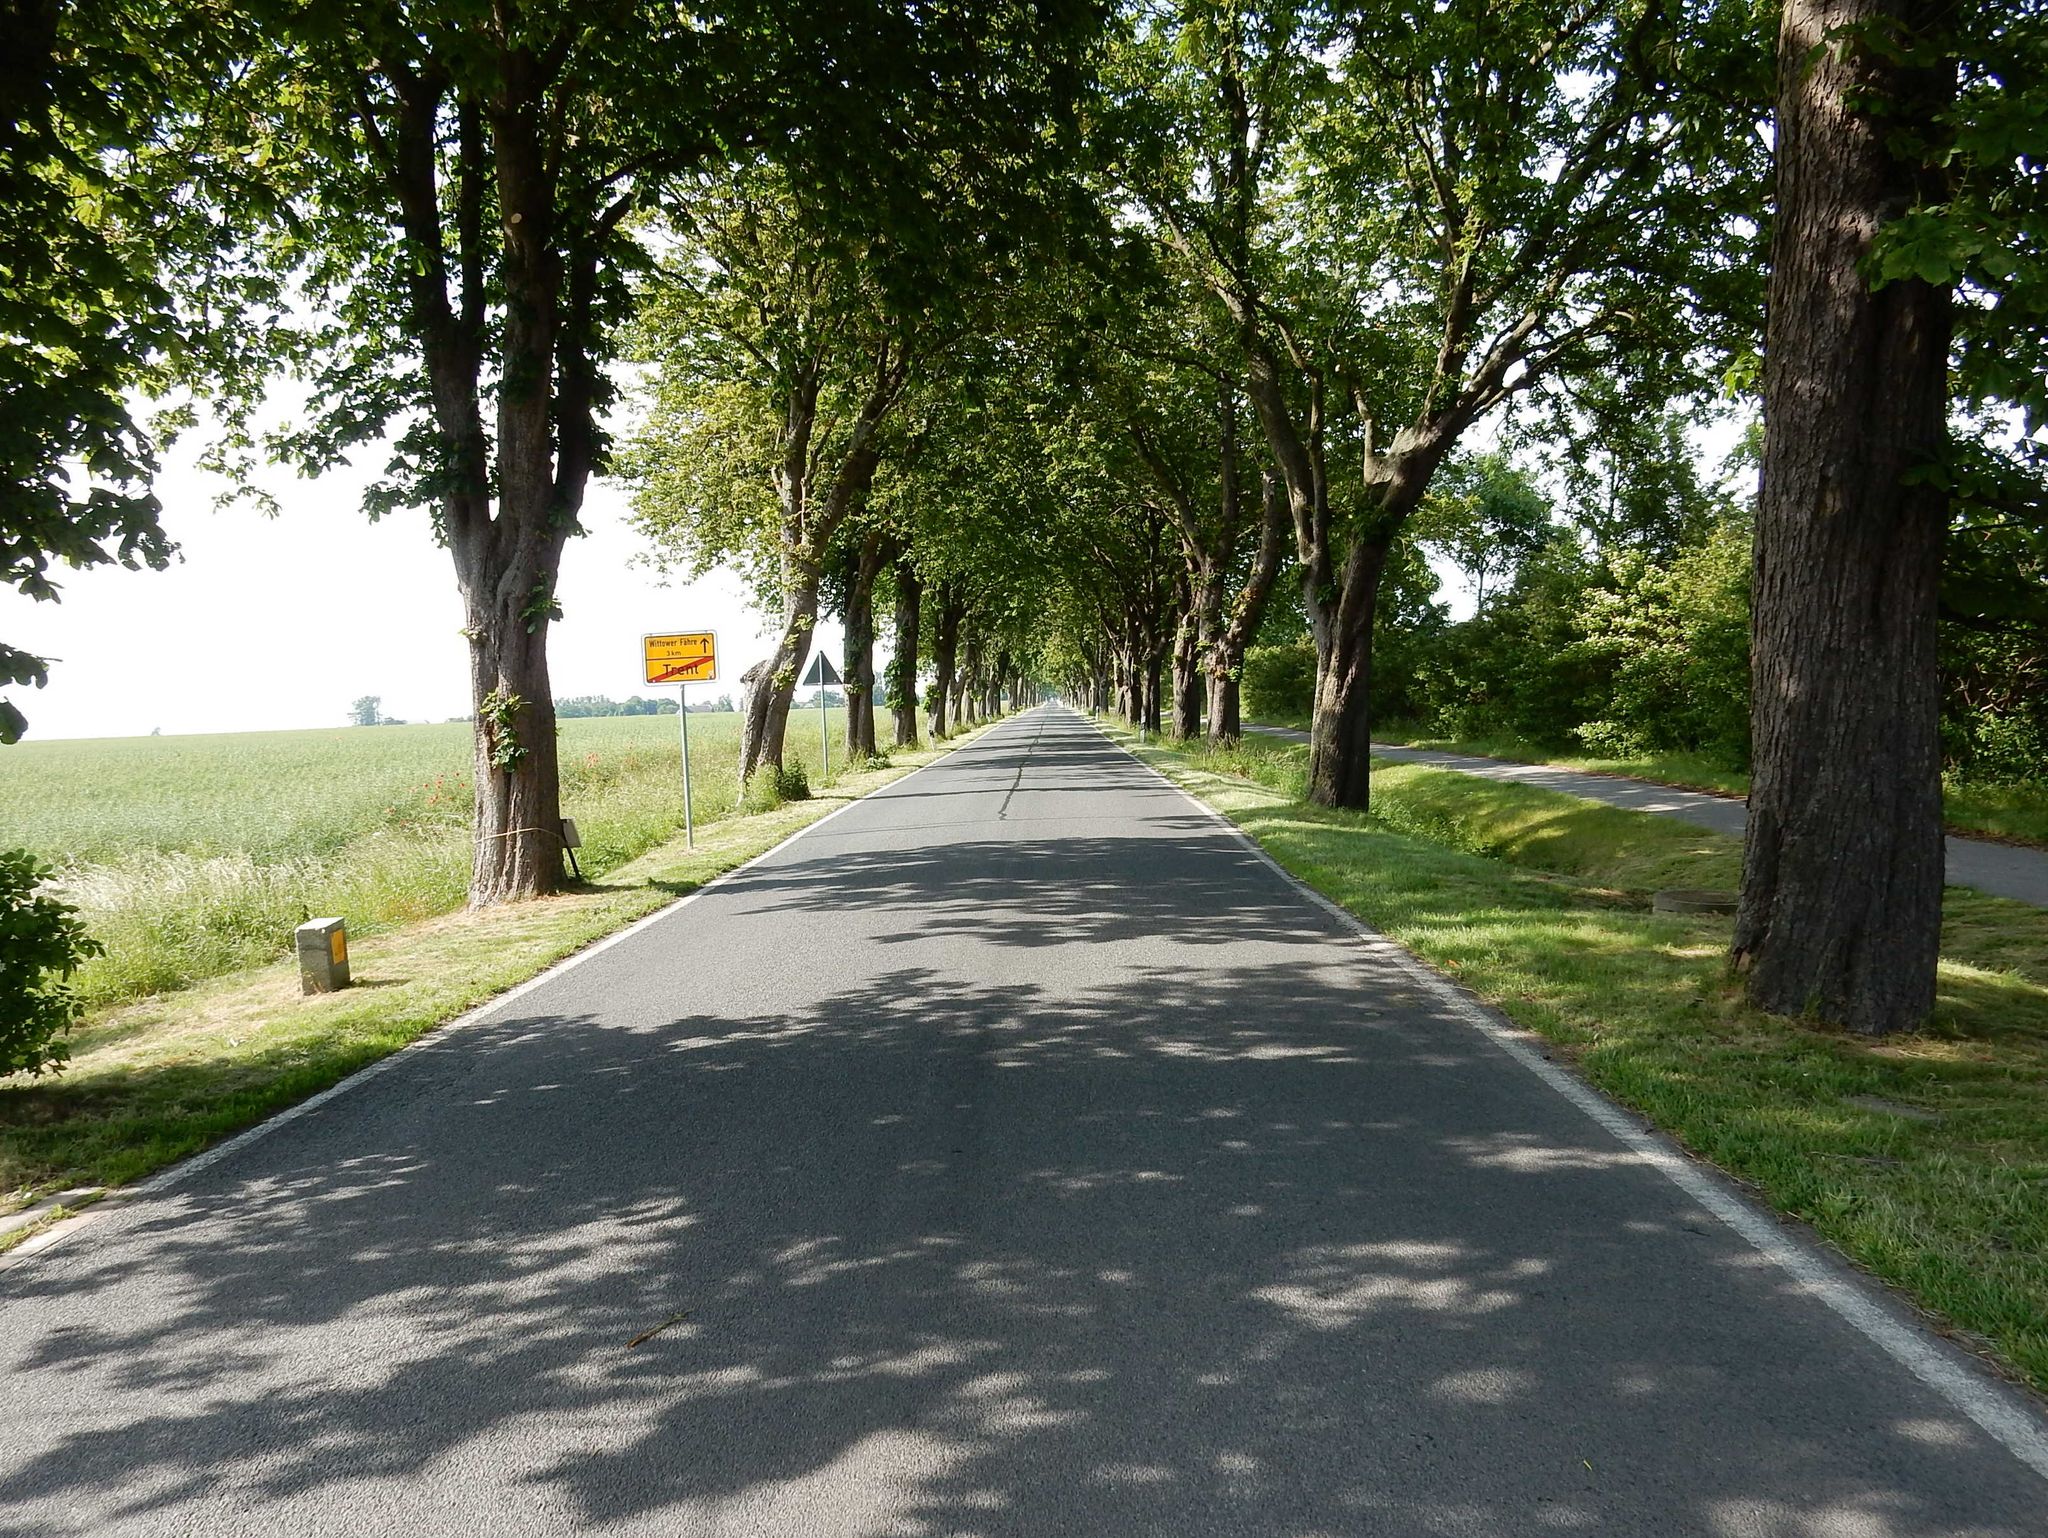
(821,671)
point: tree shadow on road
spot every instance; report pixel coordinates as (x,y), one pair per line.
(1219,1249)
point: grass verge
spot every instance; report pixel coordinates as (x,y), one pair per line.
(2016,814)
(1923,1158)
(152,1082)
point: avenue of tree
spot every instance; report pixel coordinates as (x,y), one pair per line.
(1094,346)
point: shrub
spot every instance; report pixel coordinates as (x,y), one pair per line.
(41,945)
(1611,739)
(773,784)
(1677,638)
(1279,682)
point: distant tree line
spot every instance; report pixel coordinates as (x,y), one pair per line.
(585,705)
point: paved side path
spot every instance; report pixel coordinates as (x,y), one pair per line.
(2004,870)
(1013,1155)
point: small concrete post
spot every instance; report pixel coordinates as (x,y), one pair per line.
(323,955)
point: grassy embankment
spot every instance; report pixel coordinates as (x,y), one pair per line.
(1924,1158)
(155,1079)
(2016,813)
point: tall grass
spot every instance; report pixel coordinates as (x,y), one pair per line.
(194,856)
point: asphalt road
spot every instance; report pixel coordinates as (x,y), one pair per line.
(2003,870)
(1013,1154)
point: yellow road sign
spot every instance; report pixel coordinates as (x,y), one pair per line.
(690,657)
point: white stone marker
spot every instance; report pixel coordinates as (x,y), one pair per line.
(323,955)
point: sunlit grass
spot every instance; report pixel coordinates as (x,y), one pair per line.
(1925,1157)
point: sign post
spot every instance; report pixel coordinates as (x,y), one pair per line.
(682,658)
(821,674)
(683,720)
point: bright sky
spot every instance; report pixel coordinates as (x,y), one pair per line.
(272,623)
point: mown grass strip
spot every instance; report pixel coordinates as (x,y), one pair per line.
(153,1082)
(1923,1158)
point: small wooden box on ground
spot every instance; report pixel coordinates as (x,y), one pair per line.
(323,955)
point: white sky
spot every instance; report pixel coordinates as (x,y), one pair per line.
(282,622)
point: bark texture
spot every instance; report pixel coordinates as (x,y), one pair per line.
(967,707)
(1842,864)
(945,660)
(1187,655)
(1247,613)
(770,685)
(875,552)
(903,666)
(1340,734)
(518,796)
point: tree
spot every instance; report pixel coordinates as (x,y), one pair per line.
(869,549)
(1843,858)
(1910,167)
(1486,517)
(1630,476)
(1410,216)
(780,361)
(457,191)
(1176,393)
(901,682)
(453,191)
(86,224)
(366,711)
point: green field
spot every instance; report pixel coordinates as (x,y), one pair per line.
(193,856)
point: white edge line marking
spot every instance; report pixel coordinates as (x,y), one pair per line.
(185,1169)
(1996,1410)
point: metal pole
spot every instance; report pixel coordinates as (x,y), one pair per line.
(824,736)
(683,715)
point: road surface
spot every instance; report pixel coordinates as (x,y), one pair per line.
(1012,1154)
(2003,870)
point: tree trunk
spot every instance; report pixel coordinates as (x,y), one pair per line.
(1203,611)
(1340,733)
(903,666)
(518,820)
(998,683)
(1842,865)
(1226,717)
(1247,613)
(945,652)
(969,708)
(867,563)
(771,684)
